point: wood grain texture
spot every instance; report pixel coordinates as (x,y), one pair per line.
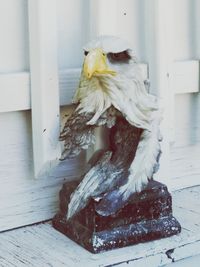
(25,200)
(184,166)
(41,245)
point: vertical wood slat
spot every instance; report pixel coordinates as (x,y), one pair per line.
(44,84)
(103,18)
(159,51)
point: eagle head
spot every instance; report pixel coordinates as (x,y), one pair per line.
(111,76)
(105,55)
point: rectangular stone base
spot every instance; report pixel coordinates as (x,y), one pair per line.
(147,216)
(117,237)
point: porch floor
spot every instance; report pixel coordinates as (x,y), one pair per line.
(41,245)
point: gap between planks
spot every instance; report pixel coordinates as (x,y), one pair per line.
(41,245)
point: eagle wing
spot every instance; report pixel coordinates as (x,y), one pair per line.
(76,134)
(94,183)
(144,165)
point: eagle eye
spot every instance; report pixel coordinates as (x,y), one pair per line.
(119,57)
(86,52)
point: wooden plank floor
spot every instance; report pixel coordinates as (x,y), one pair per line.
(184,166)
(42,246)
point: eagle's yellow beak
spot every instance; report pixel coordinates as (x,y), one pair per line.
(95,63)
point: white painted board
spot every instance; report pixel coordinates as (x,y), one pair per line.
(186,77)
(16,88)
(44,85)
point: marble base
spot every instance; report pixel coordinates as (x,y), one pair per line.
(147,216)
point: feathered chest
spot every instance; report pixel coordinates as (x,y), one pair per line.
(93,96)
(127,96)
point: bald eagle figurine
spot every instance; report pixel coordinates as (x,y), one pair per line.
(112,94)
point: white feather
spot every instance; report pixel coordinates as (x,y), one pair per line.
(93,184)
(145,159)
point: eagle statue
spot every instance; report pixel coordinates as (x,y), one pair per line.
(112,93)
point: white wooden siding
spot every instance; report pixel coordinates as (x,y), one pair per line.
(14,36)
(16,87)
(44,85)
(73,30)
(25,200)
(29,200)
(185,75)
(186,46)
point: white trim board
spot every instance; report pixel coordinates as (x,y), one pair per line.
(185,76)
(44,84)
(15,87)
(15,92)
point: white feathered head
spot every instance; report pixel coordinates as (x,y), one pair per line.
(111,77)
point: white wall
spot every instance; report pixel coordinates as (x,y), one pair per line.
(131,25)
(74,27)
(186,30)
(72,31)
(187,46)
(14,36)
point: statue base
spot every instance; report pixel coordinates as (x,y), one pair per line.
(147,216)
